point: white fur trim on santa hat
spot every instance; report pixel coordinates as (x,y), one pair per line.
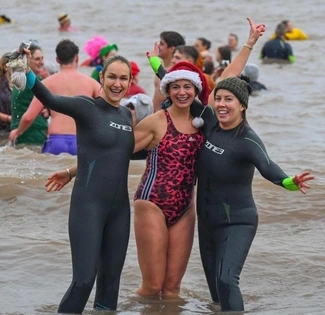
(180,75)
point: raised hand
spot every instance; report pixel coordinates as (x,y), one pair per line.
(154,52)
(255,32)
(301,181)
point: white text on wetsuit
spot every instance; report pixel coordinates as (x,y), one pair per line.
(122,127)
(213,148)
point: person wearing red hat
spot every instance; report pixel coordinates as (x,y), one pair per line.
(135,88)
(164,214)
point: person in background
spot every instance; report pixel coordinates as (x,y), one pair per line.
(64,20)
(135,88)
(169,40)
(251,71)
(223,57)
(5,97)
(277,49)
(292,33)
(191,54)
(140,106)
(203,46)
(68,82)
(92,48)
(233,42)
(20,100)
(104,53)
(5,19)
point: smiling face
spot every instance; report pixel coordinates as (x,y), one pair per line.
(228,109)
(36,63)
(182,93)
(115,80)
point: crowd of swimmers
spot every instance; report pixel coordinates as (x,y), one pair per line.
(192,130)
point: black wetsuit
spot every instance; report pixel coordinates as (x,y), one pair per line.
(276,49)
(227,214)
(99,221)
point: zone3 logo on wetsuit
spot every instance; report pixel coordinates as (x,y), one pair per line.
(117,126)
(213,148)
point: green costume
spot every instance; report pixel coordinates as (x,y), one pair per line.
(37,132)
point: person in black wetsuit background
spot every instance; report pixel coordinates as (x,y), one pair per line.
(227,214)
(99,219)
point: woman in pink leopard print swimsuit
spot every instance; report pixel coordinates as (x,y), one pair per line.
(164,210)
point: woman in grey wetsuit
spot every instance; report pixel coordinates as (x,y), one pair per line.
(99,220)
(227,214)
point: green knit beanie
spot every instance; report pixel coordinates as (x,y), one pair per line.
(240,88)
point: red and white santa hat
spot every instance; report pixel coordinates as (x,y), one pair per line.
(184,70)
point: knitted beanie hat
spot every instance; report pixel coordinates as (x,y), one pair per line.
(251,70)
(240,88)
(184,70)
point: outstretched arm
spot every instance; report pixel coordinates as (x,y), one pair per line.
(59,179)
(236,67)
(298,182)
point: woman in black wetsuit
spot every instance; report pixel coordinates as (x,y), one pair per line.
(227,214)
(99,220)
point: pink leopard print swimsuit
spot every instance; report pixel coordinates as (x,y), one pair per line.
(168,180)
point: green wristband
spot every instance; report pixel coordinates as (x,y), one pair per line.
(155,63)
(289,184)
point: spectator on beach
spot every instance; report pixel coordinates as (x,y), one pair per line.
(135,88)
(233,42)
(5,97)
(36,134)
(251,71)
(104,53)
(169,40)
(292,33)
(278,49)
(69,82)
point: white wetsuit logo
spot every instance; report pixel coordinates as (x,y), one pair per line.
(121,127)
(213,148)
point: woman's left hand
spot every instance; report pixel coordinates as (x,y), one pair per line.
(255,32)
(301,181)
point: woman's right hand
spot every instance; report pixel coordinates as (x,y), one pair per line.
(57,180)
